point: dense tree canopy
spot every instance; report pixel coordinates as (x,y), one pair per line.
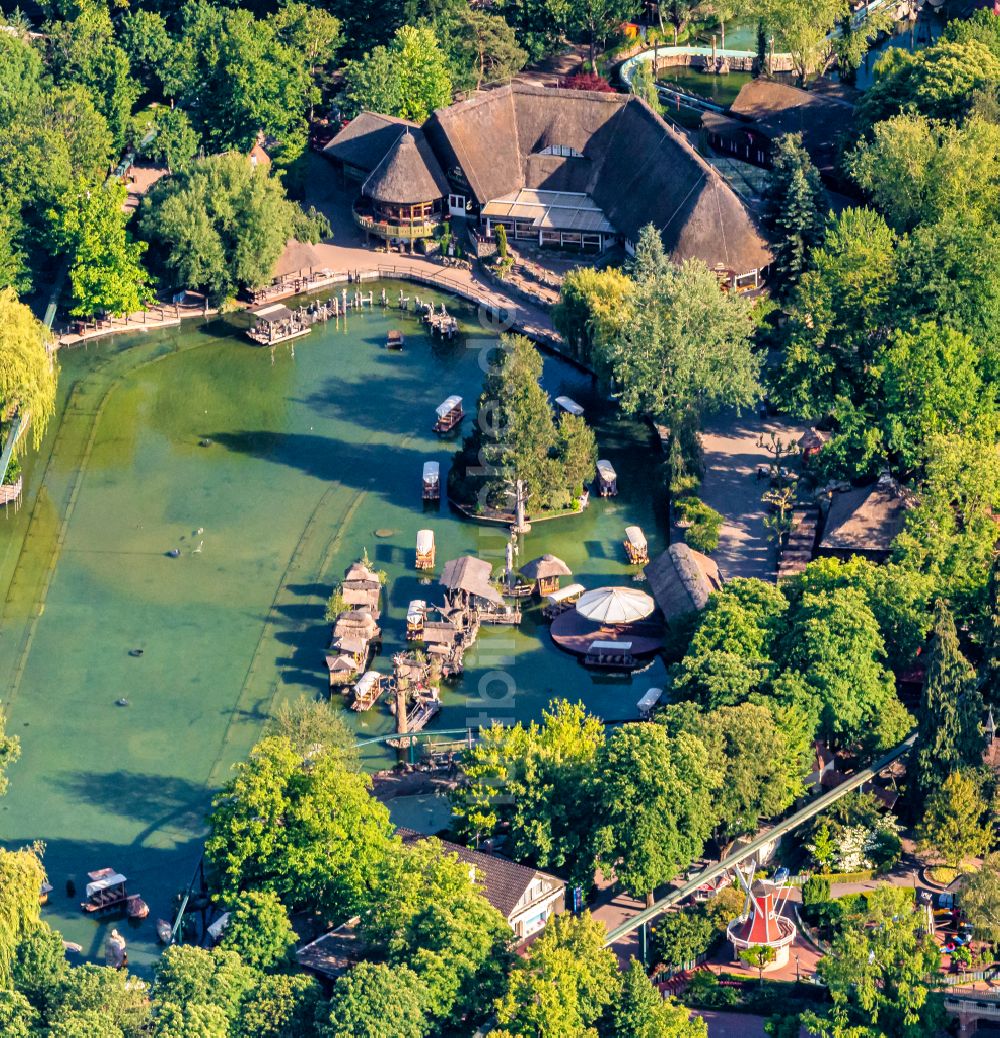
(27,383)
(221,224)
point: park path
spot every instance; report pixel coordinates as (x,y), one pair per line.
(730,485)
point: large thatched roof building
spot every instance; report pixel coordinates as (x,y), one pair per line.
(576,169)
(865,521)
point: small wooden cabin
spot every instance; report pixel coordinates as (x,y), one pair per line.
(394,340)
(635,546)
(570,406)
(607,479)
(546,572)
(432,481)
(449,414)
(416,613)
(561,600)
(425,549)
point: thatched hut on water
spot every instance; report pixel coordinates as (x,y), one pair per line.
(546,572)
(681,579)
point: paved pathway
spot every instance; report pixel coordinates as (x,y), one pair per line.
(730,486)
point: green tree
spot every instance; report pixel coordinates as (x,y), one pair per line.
(687,349)
(221,224)
(642,1012)
(979,898)
(187,976)
(939,747)
(21,878)
(564,984)
(881,972)
(731,652)
(39,968)
(189,1020)
(316,33)
(18,1018)
(106,272)
(592,304)
(408,79)
(306,829)
(97,1002)
(935,168)
(238,76)
(259,930)
(795,202)
(805,32)
(28,375)
(176,142)
(836,646)
(838,314)
(21,73)
(644,85)
(538,782)
(280,1006)
(371,995)
(484,49)
(950,534)
(577,452)
(85,51)
(952,825)
(309,723)
(599,18)
(758,957)
(654,805)
(680,937)
(431,916)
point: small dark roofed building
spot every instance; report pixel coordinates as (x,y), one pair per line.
(332,954)
(681,579)
(865,521)
(362,144)
(765,110)
(525,897)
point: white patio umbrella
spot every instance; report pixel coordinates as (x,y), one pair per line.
(615,605)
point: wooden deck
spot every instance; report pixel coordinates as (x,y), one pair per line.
(572,633)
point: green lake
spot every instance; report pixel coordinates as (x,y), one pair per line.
(311,452)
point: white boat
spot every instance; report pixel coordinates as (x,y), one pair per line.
(449,414)
(425,549)
(569,405)
(559,601)
(635,545)
(607,479)
(432,480)
(647,704)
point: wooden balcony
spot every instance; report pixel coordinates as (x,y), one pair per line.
(384,229)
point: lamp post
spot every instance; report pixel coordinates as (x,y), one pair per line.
(797,975)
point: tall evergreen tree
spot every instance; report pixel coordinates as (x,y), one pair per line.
(795,200)
(940,743)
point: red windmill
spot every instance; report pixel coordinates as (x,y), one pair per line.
(762,922)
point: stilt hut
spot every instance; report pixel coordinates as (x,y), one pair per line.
(546,572)
(361,588)
(467,579)
(342,668)
(635,546)
(274,323)
(432,481)
(449,414)
(356,635)
(425,549)
(607,479)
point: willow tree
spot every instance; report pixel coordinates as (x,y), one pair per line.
(21,877)
(27,368)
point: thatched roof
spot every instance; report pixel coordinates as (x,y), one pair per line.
(777,108)
(297,256)
(546,566)
(866,520)
(471,575)
(358,621)
(364,141)
(334,953)
(632,164)
(681,580)
(408,174)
